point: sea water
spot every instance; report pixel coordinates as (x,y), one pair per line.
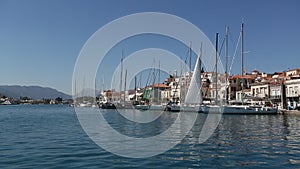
(50,136)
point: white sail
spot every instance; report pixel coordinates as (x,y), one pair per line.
(194,94)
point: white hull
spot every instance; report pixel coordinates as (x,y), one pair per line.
(172,107)
(150,107)
(6,103)
(232,109)
(85,105)
(142,107)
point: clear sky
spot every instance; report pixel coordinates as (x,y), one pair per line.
(41,39)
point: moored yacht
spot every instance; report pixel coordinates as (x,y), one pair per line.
(241,109)
(238,109)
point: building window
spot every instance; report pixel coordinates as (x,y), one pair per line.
(290,91)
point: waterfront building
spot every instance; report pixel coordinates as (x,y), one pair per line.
(206,86)
(111,95)
(238,83)
(244,96)
(161,92)
(255,88)
(175,89)
(293,72)
(293,92)
(165,95)
(220,86)
(276,92)
(276,88)
(260,90)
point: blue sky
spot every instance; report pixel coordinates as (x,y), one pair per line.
(40,40)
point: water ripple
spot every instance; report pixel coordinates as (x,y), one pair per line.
(51,137)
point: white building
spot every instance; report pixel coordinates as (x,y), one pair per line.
(292,87)
(175,89)
(260,90)
(293,92)
(292,72)
(243,95)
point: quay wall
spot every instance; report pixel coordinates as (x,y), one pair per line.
(289,112)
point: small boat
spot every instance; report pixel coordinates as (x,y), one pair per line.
(86,104)
(107,105)
(173,107)
(6,102)
(150,107)
(142,107)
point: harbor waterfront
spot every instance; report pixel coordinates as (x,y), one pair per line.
(289,112)
(50,136)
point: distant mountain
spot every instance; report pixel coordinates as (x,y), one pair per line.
(34,92)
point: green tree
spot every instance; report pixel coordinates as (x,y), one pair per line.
(25,98)
(58,100)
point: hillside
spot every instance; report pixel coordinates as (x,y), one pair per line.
(34,92)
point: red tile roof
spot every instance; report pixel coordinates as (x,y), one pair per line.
(160,85)
(242,77)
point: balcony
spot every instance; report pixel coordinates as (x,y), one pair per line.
(275,97)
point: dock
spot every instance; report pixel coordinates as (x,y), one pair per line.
(289,112)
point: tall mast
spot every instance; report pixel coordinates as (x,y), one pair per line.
(226,72)
(83,89)
(140,80)
(190,66)
(135,88)
(153,83)
(95,91)
(243,70)
(200,69)
(158,91)
(216,78)
(121,74)
(103,84)
(190,56)
(125,85)
(200,60)
(158,71)
(75,97)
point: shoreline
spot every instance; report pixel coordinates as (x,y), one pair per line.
(288,112)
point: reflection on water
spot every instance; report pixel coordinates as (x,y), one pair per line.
(256,141)
(51,137)
(139,130)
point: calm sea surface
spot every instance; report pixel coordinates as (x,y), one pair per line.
(41,136)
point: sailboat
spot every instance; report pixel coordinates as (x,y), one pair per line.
(193,98)
(148,102)
(113,104)
(239,109)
